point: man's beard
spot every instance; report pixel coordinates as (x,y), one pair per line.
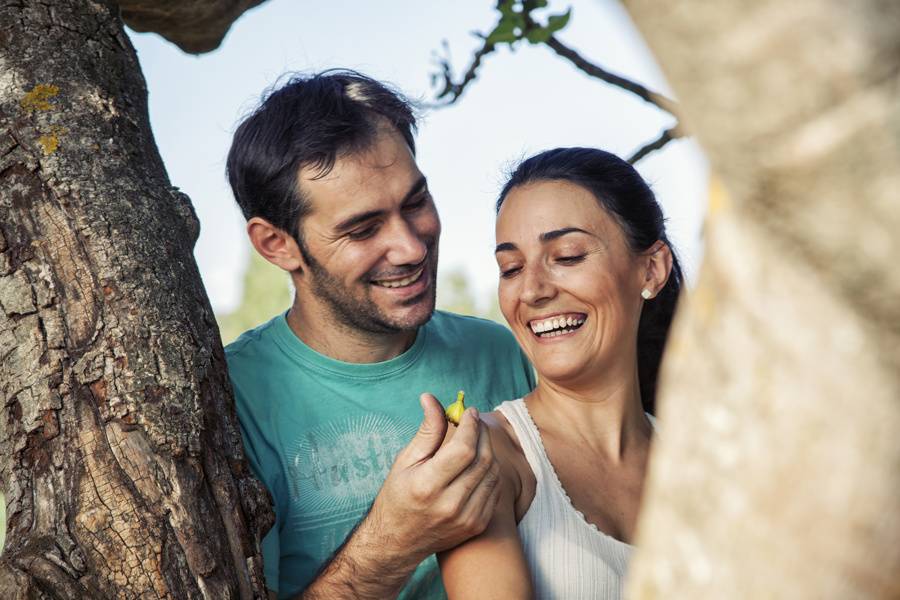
(361,313)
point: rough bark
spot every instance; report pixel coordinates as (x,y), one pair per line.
(778,468)
(194,26)
(120,455)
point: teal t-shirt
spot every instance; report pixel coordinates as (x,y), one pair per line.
(322,434)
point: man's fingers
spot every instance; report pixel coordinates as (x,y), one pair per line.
(476,503)
(479,508)
(455,456)
(431,432)
(471,477)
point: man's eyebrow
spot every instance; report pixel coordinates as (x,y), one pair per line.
(547,236)
(418,187)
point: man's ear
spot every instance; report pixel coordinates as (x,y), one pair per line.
(657,267)
(275,245)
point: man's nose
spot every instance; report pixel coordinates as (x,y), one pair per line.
(406,245)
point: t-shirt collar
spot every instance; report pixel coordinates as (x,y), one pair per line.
(297,348)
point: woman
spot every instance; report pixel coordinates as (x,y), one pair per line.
(588,285)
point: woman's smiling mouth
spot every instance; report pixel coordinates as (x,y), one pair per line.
(556,325)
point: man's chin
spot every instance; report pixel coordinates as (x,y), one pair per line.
(414,319)
(415,312)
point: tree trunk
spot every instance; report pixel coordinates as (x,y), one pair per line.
(777,471)
(120,454)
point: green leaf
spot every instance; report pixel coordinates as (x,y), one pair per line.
(502,38)
(508,29)
(504,26)
(507,8)
(557,22)
(538,35)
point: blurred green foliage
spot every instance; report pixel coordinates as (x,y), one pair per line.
(266,292)
(455,294)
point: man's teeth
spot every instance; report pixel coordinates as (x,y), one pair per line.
(556,325)
(400,282)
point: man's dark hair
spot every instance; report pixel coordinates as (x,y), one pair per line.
(308,122)
(623,193)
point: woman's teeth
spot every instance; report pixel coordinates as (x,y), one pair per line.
(400,282)
(555,326)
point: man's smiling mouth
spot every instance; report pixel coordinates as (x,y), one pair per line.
(396,283)
(557,324)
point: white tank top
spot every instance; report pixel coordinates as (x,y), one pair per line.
(569,558)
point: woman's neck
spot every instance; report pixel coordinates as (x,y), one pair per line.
(605,416)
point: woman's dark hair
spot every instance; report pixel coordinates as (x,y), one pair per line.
(623,193)
(308,121)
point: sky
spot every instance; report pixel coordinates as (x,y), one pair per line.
(523,101)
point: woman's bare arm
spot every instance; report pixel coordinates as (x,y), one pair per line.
(491,565)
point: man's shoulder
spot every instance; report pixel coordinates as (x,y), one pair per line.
(252,342)
(255,360)
(456,329)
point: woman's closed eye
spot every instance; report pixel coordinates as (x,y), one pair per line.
(571,260)
(511,271)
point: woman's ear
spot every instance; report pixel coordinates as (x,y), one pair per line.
(275,245)
(657,267)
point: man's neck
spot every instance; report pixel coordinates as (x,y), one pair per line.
(341,342)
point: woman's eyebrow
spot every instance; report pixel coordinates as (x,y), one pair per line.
(549,236)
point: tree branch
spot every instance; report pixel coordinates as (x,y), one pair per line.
(455,90)
(655,98)
(512,33)
(665,137)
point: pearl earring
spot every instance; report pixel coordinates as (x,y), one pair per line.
(645,294)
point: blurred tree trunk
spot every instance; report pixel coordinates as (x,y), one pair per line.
(120,454)
(777,471)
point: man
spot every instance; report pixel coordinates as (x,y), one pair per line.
(325,174)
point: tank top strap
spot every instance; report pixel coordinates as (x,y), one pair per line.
(516,413)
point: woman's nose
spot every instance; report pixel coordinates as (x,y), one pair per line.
(537,286)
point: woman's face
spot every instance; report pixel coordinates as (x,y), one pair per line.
(570,287)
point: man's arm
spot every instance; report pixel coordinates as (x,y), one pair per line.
(434,498)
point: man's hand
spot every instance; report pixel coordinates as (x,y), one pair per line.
(436,497)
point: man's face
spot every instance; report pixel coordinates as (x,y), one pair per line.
(371,238)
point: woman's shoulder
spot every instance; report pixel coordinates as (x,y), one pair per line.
(501,429)
(509,454)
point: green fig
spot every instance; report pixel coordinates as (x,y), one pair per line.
(455,411)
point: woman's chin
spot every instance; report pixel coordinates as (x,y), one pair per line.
(559,371)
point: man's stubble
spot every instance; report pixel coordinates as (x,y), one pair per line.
(362,313)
